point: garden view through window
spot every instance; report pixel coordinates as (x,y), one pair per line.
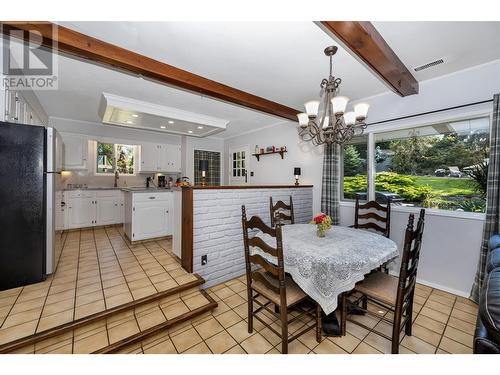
(441,166)
(355,168)
(115,157)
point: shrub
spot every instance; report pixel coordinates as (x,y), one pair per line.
(402,185)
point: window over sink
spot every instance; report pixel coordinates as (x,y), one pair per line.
(111,157)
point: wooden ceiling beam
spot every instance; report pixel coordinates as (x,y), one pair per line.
(83,46)
(370,47)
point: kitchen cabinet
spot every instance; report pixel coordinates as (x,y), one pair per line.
(81,212)
(160,158)
(17,109)
(88,208)
(173,158)
(148,215)
(75,152)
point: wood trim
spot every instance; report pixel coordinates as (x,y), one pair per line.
(82,46)
(187,230)
(159,327)
(363,39)
(229,187)
(37,337)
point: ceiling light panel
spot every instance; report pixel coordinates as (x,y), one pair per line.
(127,112)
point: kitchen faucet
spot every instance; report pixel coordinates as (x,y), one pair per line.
(117,176)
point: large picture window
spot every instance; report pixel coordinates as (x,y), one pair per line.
(440,166)
(115,157)
(354,167)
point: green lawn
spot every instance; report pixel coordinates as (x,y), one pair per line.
(446,185)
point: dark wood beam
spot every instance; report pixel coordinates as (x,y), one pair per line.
(83,46)
(368,45)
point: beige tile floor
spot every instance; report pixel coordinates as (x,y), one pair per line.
(107,331)
(97,269)
(443,323)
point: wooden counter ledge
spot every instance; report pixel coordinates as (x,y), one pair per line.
(223,187)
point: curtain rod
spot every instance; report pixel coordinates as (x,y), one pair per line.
(430,112)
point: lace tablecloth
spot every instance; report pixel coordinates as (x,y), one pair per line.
(328,266)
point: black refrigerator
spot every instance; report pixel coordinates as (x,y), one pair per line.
(28,171)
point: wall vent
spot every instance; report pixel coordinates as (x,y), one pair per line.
(428,65)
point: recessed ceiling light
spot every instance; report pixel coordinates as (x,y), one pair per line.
(170,122)
(129,122)
(200,127)
(163,127)
(134,115)
(190,131)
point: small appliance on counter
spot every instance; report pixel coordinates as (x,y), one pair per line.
(162,181)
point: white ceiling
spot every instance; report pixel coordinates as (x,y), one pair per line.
(283,62)
(460,44)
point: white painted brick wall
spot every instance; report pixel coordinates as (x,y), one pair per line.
(217,228)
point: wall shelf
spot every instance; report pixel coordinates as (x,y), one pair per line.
(281,152)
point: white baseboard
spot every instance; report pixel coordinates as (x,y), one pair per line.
(460,293)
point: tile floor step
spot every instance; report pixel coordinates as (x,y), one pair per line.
(177,312)
(111,334)
(142,303)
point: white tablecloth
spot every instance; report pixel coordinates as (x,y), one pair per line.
(328,266)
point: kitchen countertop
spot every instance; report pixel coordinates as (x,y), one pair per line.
(146,190)
(93,188)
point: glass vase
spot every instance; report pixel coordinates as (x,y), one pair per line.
(320,232)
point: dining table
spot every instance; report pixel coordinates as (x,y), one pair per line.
(325,267)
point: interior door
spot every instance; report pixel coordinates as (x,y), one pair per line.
(239,163)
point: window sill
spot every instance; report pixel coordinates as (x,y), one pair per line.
(429,211)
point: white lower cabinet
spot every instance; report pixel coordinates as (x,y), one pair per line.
(81,212)
(148,215)
(93,208)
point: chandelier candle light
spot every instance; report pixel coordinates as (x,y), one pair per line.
(327,122)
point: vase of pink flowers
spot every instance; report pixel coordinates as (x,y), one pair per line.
(323,222)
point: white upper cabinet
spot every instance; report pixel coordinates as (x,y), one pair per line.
(17,108)
(173,158)
(160,158)
(75,152)
(149,157)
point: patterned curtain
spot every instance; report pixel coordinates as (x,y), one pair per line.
(330,193)
(492,223)
(213,174)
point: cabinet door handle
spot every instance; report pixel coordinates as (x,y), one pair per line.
(152,197)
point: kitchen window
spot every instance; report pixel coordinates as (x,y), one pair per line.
(112,157)
(440,166)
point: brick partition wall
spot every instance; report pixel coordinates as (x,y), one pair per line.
(217,228)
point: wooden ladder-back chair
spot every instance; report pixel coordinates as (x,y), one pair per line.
(268,280)
(375,211)
(277,213)
(393,293)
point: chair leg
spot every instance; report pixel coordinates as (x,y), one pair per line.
(409,323)
(364,302)
(343,313)
(284,329)
(396,329)
(318,323)
(250,311)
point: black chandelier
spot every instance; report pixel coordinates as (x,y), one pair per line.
(327,122)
